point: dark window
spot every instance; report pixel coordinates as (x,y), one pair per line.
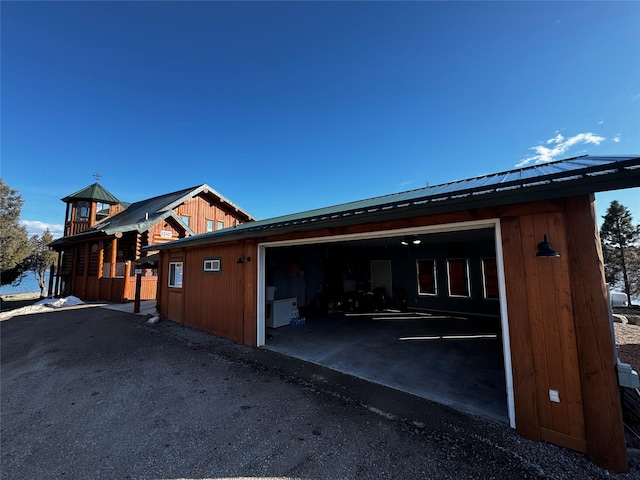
(82,211)
(458,277)
(489,278)
(427,279)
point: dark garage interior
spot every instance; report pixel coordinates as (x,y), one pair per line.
(419,313)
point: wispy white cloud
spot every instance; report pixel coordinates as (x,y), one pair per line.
(617,138)
(558,146)
(36,227)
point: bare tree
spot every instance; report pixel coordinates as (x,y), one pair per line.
(41,258)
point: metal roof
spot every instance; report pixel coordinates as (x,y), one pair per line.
(563,178)
(140,216)
(95,192)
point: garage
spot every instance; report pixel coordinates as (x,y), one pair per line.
(486,294)
(416,310)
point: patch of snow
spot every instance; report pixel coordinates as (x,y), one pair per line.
(44,305)
(65,302)
(60,302)
(24,311)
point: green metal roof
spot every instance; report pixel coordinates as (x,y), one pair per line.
(95,192)
(564,178)
(140,216)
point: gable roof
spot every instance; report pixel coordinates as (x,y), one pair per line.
(95,192)
(563,178)
(142,215)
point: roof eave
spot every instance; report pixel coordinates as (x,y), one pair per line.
(550,189)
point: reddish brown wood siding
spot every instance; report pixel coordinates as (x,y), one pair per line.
(205,304)
(524,375)
(603,412)
(550,313)
(557,314)
(200,210)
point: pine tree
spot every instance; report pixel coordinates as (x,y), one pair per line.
(619,238)
(14,240)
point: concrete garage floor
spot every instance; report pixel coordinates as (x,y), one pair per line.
(452,360)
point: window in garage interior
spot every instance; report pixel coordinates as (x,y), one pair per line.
(489,278)
(175,274)
(458,277)
(427,283)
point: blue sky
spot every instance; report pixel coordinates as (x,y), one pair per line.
(284,107)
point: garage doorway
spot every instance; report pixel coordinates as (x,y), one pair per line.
(424,343)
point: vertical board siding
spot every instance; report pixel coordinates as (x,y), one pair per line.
(553,333)
(200,210)
(557,314)
(598,378)
(520,331)
(218,315)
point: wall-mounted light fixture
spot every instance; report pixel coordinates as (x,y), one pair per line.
(410,241)
(243,259)
(546,250)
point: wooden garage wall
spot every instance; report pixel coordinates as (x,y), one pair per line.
(560,332)
(558,320)
(204,301)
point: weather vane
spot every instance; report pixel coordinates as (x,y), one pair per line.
(97,176)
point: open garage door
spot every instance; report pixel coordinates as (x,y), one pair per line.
(418,310)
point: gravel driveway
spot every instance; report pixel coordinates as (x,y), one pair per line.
(92,393)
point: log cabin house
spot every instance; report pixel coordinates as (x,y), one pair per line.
(103,237)
(515,254)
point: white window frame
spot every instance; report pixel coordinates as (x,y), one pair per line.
(175,274)
(212,265)
(467,277)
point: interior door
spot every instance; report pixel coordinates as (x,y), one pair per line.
(381,276)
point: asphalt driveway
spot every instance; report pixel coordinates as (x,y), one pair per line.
(89,392)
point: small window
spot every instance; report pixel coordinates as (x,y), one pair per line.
(220,225)
(209,225)
(427,283)
(82,211)
(175,274)
(212,264)
(489,278)
(185,219)
(458,277)
(102,211)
